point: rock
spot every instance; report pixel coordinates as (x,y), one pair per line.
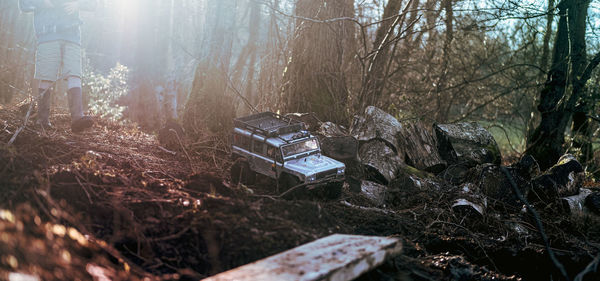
(336,143)
(340,148)
(577,203)
(561,180)
(374,192)
(402,191)
(496,187)
(527,167)
(464,207)
(470,202)
(381,162)
(420,147)
(329,129)
(310,121)
(592,201)
(377,124)
(466,144)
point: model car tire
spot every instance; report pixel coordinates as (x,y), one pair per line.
(333,190)
(287,181)
(241,172)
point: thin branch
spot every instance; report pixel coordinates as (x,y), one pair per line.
(538,223)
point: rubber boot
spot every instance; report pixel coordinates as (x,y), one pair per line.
(79,122)
(43,112)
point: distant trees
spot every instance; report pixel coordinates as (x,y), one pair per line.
(443,61)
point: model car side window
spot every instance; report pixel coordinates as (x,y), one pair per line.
(258,147)
(241,141)
(274,153)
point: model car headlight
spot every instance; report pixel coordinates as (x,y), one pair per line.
(311,178)
(341,171)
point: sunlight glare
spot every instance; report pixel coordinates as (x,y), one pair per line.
(126,7)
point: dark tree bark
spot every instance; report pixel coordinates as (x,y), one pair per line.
(564,88)
(547,35)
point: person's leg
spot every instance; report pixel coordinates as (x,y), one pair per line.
(47,64)
(75,97)
(44,100)
(72,67)
(79,122)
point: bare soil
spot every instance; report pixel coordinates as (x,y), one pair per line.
(110,202)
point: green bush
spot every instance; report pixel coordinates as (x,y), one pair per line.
(105,91)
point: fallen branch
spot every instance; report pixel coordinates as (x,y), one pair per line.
(592,267)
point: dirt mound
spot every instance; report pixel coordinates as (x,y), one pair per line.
(146,211)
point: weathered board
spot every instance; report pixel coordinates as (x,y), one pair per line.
(335,257)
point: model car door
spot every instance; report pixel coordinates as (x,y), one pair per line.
(262,162)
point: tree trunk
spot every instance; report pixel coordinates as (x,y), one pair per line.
(563,89)
(373,84)
(209,105)
(315,78)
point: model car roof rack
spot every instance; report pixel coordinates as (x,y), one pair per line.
(269,124)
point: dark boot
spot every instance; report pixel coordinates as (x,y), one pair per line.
(79,122)
(43,112)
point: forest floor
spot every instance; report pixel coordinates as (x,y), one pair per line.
(111,203)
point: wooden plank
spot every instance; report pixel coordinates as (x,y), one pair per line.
(335,257)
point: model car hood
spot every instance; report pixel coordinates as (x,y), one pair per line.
(313,164)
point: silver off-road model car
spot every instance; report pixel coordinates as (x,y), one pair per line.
(280,148)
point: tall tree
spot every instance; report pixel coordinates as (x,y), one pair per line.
(315,78)
(565,85)
(209,105)
(376,71)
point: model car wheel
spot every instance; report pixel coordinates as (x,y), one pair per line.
(333,190)
(287,181)
(241,172)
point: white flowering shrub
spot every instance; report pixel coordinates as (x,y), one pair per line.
(106,90)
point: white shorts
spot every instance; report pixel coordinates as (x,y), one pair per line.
(56,59)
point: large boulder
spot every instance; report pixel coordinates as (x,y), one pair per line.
(380,160)
(377,124)
(420,146)
(336,143)
(467,144)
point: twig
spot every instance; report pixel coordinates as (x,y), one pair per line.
(84,189)
(296,187)
(592,267)
(538,223)
(172,236)
(184,150)
(14,137)
(362,208)
(167,151)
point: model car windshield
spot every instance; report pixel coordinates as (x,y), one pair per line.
(300,147)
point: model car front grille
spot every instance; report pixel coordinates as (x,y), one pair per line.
(326,174)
